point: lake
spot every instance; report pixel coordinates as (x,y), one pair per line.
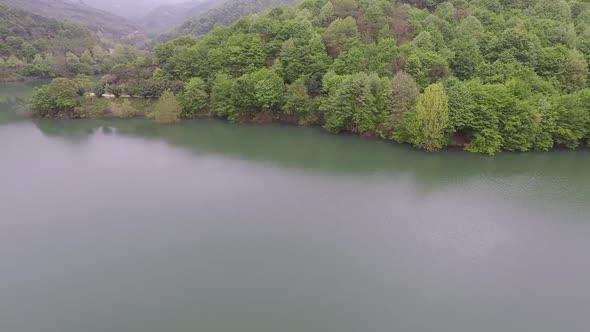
(124,226)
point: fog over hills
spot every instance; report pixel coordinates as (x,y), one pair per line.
(95,19)
(165,18)
(225,14)
(136,18)
(133,9)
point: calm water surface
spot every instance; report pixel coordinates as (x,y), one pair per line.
(124,226)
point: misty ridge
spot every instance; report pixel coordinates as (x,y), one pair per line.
(147,18)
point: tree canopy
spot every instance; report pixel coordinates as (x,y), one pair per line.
(485,75)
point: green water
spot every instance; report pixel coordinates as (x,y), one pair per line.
(124,226)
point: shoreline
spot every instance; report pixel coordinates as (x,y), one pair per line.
(294,124)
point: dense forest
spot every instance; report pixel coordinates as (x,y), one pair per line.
(487,75)
(34,46)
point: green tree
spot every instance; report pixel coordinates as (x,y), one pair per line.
(194,98)
(86,57)
(516,126)
(551,63)
(14,62)
(222,97)
(576,71)
(424,41)
(299,58)
(573,118)
(296,98)
(344,8)
(462,107)
(404,92)
(471,27)
(428,124)
(467,57)
(491,100)
(99,89)
(583,43)
(350,61)
(38,67)
(268,88)
(553,9)
(115,90)
(243,53)
(167,109)
(341,35)
(123,109)
(351,105)
(59,98)
(517,44)
(327,14)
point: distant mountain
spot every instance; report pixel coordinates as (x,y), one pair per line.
(225,14)
(133,10)
(102,22)
(166,18)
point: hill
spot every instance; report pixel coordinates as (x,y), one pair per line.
(98,21)
(35,46)
(226,14)
(133,10)
(166,18)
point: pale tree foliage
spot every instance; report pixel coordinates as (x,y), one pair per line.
(404,92)
(576,71)
(429,123)
(167,109)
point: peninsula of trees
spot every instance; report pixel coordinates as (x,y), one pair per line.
(487,75)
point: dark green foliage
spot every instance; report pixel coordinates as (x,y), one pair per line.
(222,93)
(303,57)
(573,118)
(404,92)
(99,90)
(261,90)
(297,99)
(467,57)
(355,103)
(58,99)
(194,98)
(115,90)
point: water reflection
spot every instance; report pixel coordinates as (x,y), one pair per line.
(314,150)
(13,97)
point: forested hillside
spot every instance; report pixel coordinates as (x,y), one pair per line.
(166,18)
(226,14)
(34,46)
(487,75)
(96,20)
(133,10)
